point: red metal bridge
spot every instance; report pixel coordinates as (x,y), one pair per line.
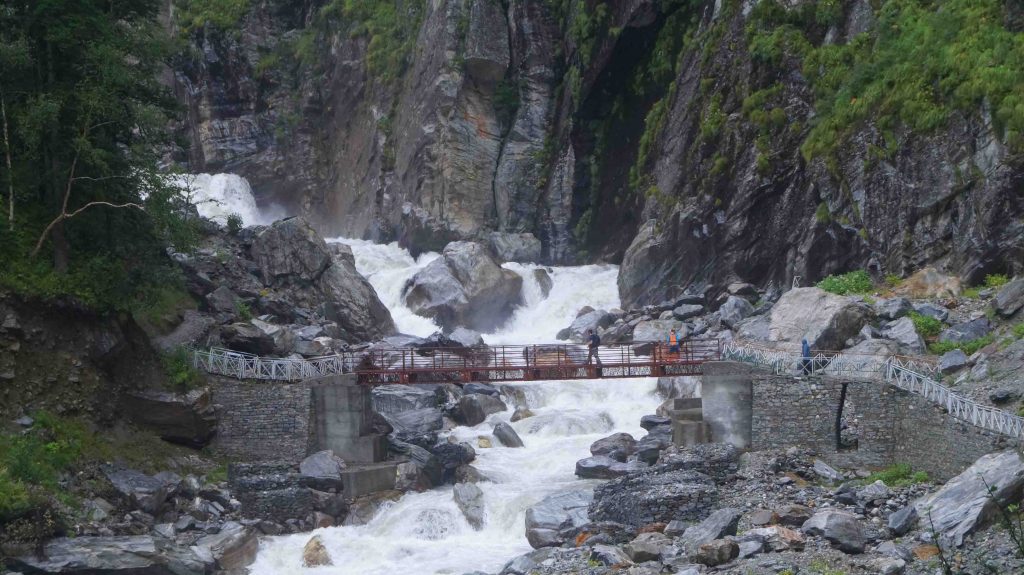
(533,362)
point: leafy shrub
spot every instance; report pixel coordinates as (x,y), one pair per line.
(996,280)
(234,224)
(1018,330)
(182,375)
(925,325)
(898,475)
(14,496)
(822,215)
(242,310)
(968,347)
(223,14)
(855,282)
(893,280)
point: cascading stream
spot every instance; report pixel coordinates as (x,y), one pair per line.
(426,533)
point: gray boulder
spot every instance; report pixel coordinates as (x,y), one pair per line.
(902,521)
(414,423)
(686,311)
(510,247)
(717,525)
(618,446)
(222,300)
(734,310)
(543,279)
(527,563)
(546,518)
(952,361)
(967,331)
(481,388)
(128,555)
(608,555)
(507,435)
(843,530)
(639,499)
(247,338)
(284,339)
(647,547)
(233,547)
(393,399)
(473,409)
(826,320)
(322,470)
(466,337)
(875,347)
(464,287)
(1010,298)
(604,467)
(592,320)
(893,308)
(470,500)
(931,310)
(657,329)
(142,491)
(188,418)
(965,502)
(903,332)
(292,257)
(717,552)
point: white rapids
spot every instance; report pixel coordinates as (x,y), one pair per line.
(425,533)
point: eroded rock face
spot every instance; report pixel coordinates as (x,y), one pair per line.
(465,287)
(544,519)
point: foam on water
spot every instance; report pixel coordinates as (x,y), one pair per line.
(218,196)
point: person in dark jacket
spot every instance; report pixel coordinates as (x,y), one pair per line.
(805,362)
(593,343)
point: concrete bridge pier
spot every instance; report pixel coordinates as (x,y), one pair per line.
(342,418)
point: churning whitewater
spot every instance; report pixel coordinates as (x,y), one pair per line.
(426,533)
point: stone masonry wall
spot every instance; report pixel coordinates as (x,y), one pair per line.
(894,426)
(262,421)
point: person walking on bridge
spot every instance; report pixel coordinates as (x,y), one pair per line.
(673,341)
(593,343)
(805,361)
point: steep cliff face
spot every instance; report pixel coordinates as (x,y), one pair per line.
(682,138)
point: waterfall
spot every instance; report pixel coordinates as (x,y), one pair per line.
(426,533)
(218,196)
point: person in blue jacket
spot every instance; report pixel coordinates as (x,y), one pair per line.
(673,341)
(805,351)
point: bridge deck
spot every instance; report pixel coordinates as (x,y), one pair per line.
(532,362)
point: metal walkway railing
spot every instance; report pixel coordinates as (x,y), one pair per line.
(916,375)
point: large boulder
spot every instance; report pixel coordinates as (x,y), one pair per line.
(592,320)
(188,418)
(507,435)
(930,283)
(247,338)
(654,496)
(972,498)
(734,310)
(143,491)
(415,423)
(843,530)
(322,470)
(826,320)
(465,287)
(314,554)
(546,518)
(717,525)
(604,467)
(294,259)
(657,329)
(112,555)
(510,247)
(1010,298)
(284,338)
(903,332)
(893,308)
(967,331)
(474,408)
(618,446)
(233,547)
(393,399)
(470,500)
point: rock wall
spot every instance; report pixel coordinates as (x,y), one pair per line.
(893,425)
(262,421)
(617,131)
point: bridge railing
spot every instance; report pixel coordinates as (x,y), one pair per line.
(226,362)
(913,374)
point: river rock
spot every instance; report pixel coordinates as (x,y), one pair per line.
(527,563)
(452,456)
(893,308)
(247,338)
(94,555)
(520,413)
(734,310)
(416,424)
(608,555)
(470,500)
(687,311)
(965,503)
(233,547)
(776,538)
(509,247)
(649,497)
(507,435)
(967,331)
(473,409)
(392,399)
(481,388)
(647,547)
(618,446)
(142,491)
(464,287)
(932,310)
(466,337)
(322,471)
(717,552)
(793,515)
(604,467)
(843,530)
(649,422)
(544,281)
(903,332)
(902,521)
(314,554)
(1010,298)
(657,330)
(188,418)
(591,320)
(826,320)
(717,525)
(544,519)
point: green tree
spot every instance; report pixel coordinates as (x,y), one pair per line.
(85,126)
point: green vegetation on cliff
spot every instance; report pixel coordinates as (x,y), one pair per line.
(222,14)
